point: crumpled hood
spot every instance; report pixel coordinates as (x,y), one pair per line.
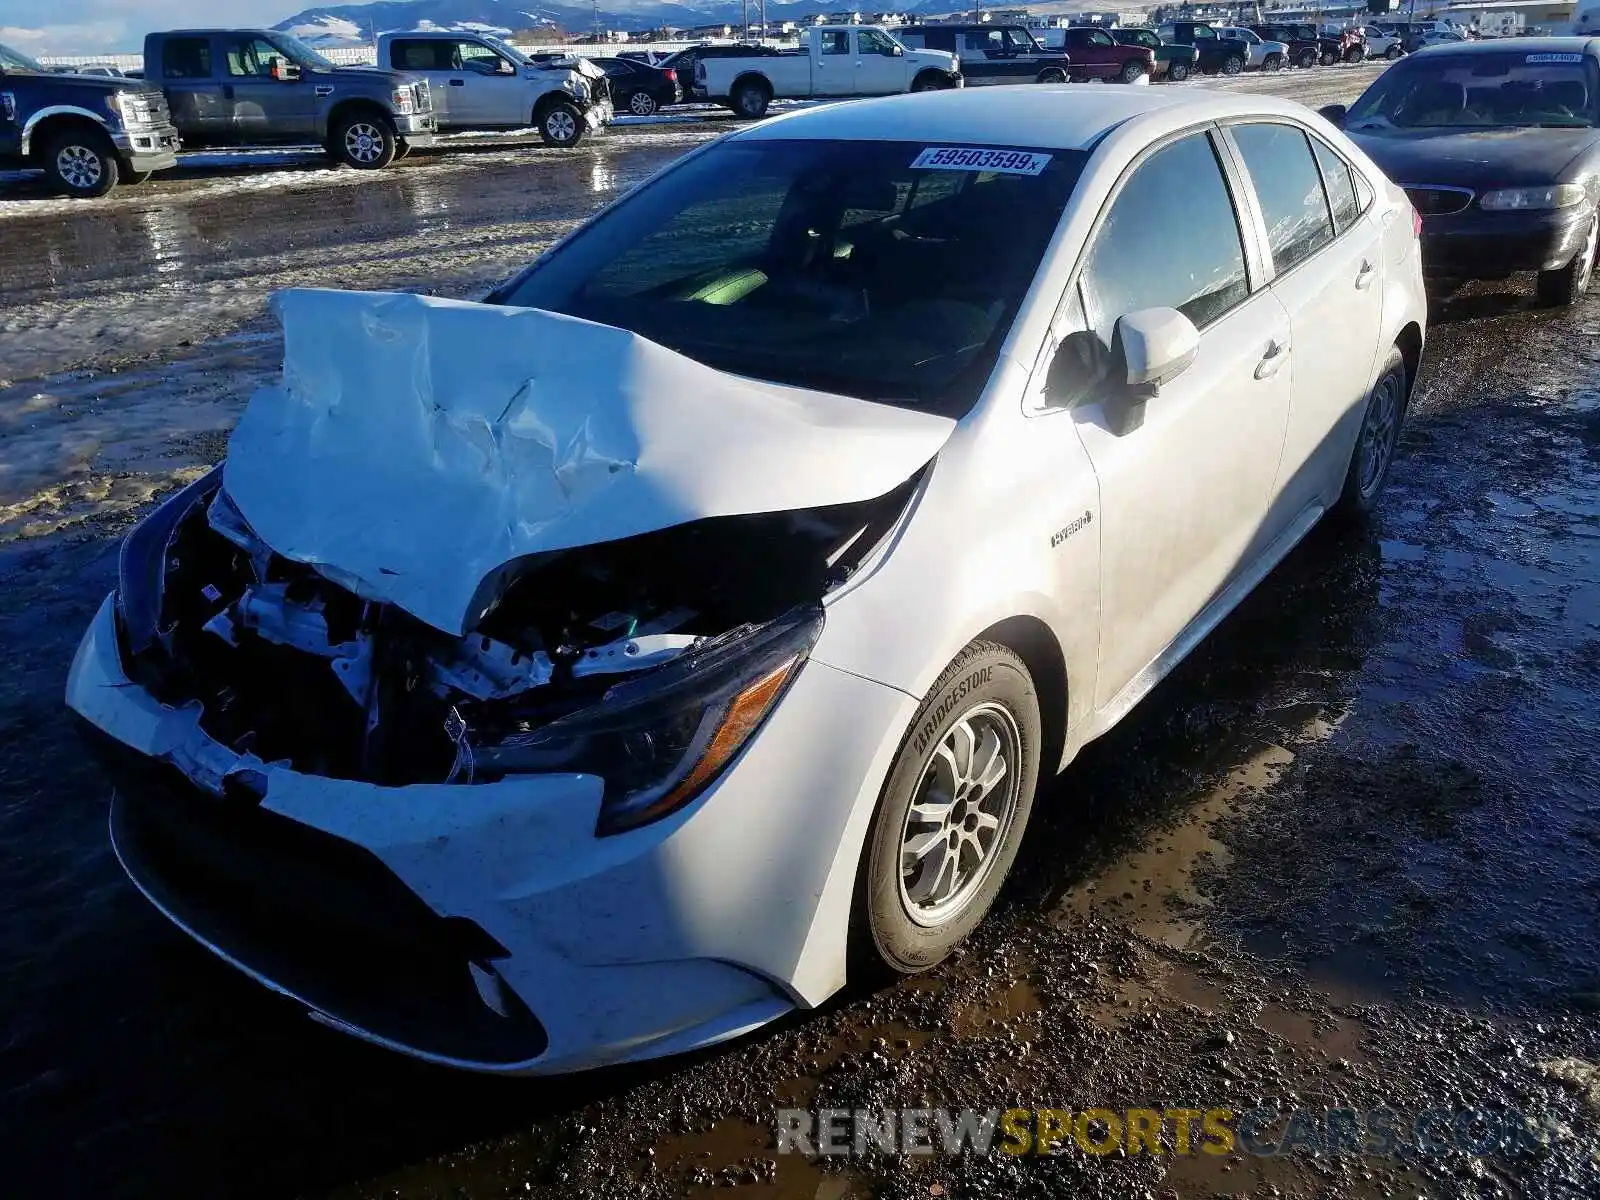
(416,446)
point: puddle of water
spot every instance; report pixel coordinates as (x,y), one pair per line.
(1153,890)
(1341,1038)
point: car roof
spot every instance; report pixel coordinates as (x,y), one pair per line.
(1521,45)
(1062,116)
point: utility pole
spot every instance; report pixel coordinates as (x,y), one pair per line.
(744,17)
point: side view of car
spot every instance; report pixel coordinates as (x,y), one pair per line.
(481,82)
(87,133)
(497,758)
(261,87)
(1173,61)
(1096,54)
(1214,55)
(1264,54)
(831,61)
(991,54)
(639,88)
(1302,46)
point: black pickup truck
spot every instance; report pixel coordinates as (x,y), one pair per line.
(86,132)
(260,87)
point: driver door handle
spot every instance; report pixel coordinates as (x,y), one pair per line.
(1365,276)
(458,83)
(1272,361)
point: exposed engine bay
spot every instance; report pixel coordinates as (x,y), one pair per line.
(293,668)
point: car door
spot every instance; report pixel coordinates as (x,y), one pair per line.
(880,64)
(1184,495)
(434,59)
(494,89)
(190,75)
(1091,53)
(834,72)
(1327,267)
(267,106)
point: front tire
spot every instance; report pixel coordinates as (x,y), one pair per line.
(1132,71)
(952,813)
(364,141)
(1564,287)
(1052,75)
(1354,55)
(562,125)
(642,104)
(1274,62)
(750,100)
(1233,64)
(1307,58)
(929,82)
(1177,72)
(82,163)
(1393,52)
(1329,58)
(1374,452)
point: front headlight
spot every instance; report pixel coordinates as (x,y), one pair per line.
(660,740)
(132,107)
(404,101)
(1560,195)
(142,562)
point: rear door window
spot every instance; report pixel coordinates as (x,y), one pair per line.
(1339,181)
(186,58)
(1289,188)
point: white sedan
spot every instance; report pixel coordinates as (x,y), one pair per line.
(604,670)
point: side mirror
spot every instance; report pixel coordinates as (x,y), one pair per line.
(1158,345)
(898,52)
(285,72)
(1333,114)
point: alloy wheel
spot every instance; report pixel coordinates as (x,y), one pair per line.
(641,104)
(963,808)
(560,125)
(363,142)
(1378,433)
(79,167)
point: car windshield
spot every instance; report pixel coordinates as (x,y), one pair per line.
(10,60)
(510,51)
(300,53)
(885,270)
(1514,89)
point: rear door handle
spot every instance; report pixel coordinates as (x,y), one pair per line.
(1272,361)
(1365,276)
(458,83)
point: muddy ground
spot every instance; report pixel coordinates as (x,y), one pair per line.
(1347,856)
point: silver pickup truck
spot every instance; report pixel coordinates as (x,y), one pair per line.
(481,82)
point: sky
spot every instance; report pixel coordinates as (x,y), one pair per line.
(110,26)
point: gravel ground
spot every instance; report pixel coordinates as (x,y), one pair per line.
(1348,855)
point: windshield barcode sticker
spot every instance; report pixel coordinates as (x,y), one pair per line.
(958,158)
(1554,58)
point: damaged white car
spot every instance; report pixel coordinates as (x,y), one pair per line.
(597,672)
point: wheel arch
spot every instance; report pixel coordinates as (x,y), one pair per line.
(1410,343)
(550,100)
(48,123)
(1035,643)
(750,77)
(346,109)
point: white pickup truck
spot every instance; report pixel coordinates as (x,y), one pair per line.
(481,82)
(833,60)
